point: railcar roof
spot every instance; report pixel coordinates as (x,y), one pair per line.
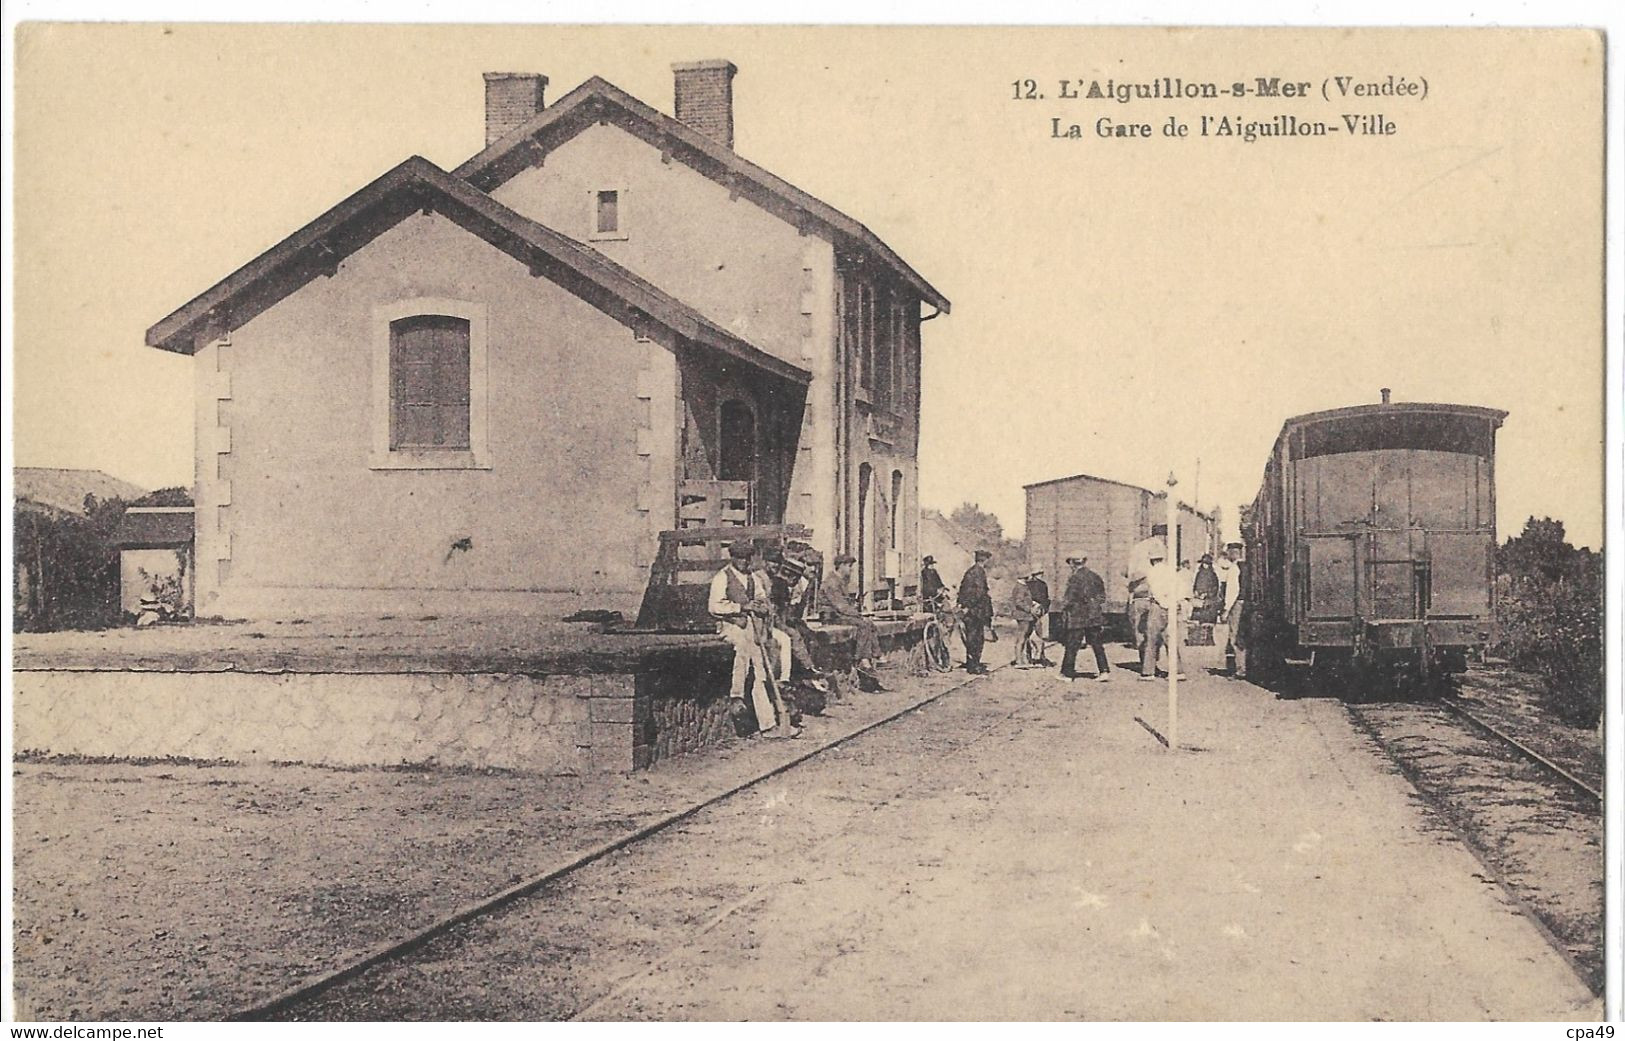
(1495,415)
(1396,410)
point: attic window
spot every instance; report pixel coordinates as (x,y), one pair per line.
(607,219)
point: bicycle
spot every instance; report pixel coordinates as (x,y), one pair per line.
(934,640)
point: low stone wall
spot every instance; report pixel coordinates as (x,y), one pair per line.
(682,710)
(599,712)
(547,724)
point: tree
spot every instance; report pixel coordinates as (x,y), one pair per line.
(71,565)
(983,526)
(1541,550)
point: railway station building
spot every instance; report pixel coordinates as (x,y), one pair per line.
(489,389)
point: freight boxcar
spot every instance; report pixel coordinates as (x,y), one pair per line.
(1371,542)
(1103,519)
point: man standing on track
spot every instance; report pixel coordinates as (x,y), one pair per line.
(1022,610)
(976,610)
(1083,610)
(1041,604)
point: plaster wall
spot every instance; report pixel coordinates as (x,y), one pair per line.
(294,515)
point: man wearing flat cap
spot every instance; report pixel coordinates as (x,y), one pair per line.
(843,608)
(1083,614)
(976,609)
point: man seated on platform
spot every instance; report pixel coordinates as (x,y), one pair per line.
(740,601)
(843,610)
(791,589)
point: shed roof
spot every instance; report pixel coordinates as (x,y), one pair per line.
(154,527)
(419,185)
(598,99)
(1120,484)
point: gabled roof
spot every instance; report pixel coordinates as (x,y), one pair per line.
(598,99)
(65,490)
(418,185)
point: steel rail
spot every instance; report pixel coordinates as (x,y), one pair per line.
(1437,803)
(394,949)
(1456,707)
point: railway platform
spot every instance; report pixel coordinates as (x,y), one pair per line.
(1011,847)
(1023,849)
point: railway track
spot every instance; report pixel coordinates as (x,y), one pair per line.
(1455,706)
(314,987)
(1532,823)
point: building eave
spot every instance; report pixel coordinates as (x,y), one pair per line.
(417,185)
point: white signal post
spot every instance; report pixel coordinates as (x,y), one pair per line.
(1174,636)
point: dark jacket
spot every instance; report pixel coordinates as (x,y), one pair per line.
(930,582)
(1084,602)
(1040,590)
(974,598)
(1205,588)
(838,600)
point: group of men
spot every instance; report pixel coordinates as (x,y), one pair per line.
(1159,593)
(1081,612)
(761,610)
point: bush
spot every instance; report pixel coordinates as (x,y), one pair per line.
(1551,617)
(72,565)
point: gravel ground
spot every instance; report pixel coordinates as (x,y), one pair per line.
(1021,849)
(163,890)
(1540,838)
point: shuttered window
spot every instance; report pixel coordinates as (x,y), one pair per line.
(429,382)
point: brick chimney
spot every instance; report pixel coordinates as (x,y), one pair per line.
(511,98)
(705,97)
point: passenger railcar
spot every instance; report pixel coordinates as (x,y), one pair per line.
(1371,542)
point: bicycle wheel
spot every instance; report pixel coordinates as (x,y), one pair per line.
(935,647)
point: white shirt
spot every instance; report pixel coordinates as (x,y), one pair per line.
(1229,577)
(1139,558)
(718,603)
(1166,584)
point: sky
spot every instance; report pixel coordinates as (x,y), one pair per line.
(1124,307)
